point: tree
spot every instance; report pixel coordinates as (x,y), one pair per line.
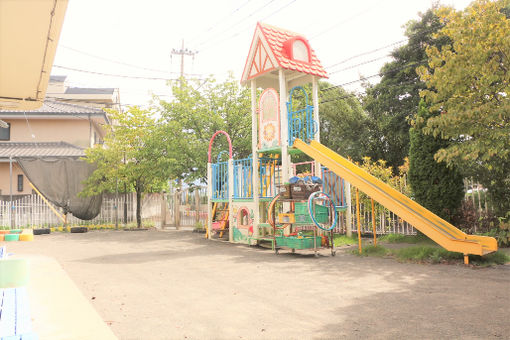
(392,102)
(468,80)
(343,122)
(196,114)
(136,153)
(435,186)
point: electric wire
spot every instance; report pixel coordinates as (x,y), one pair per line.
(117,62)
(121,75)
(360,64)
(206,47)
(366,53)
(207,41)
(379,74)
(217,24)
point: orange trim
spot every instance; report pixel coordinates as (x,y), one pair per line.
(260,73)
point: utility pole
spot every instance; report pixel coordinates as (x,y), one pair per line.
(182,52)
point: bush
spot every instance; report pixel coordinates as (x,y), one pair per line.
(435,186)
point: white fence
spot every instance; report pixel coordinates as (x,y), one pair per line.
(31,210)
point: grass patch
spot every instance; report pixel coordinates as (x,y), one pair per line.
(426,254)
(439,255)
(371,250)
(412,239)
(432,254)
(497,257)
(344,240)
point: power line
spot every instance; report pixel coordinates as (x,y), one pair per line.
(213,27)
(119,75)
(360,64)
(117,62)
(368,9)
(356,94)
(205,42)
(424,31)
(380,74)
(366,53)
(247,27)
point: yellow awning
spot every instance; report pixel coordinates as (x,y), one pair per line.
(29,33)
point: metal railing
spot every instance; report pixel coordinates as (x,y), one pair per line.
(220,180)
(243,181)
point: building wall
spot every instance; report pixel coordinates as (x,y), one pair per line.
(79,132)
(4,180)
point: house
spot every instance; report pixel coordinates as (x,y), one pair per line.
(57,129)
(87,96)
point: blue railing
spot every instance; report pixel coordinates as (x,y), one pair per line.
(301,123)
(243,181)
(270,176)
(334,186)
(220,180)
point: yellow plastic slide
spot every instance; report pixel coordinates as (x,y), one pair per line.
(422,219)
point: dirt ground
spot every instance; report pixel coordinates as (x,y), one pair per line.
(177,285)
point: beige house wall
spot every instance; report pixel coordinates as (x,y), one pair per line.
(79,132)
(4,180)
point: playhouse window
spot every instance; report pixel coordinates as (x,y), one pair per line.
(300,51)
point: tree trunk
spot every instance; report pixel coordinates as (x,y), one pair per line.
(138,206)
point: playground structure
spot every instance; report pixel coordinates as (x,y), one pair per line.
(285,123)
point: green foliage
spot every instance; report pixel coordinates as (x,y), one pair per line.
(136,154)
(392,102)
(497,257)
(501,233)
(343,122)
(371,250)
(437,187)
(196,113)
(399,238)
(344,240)
(426,254)
(468,80)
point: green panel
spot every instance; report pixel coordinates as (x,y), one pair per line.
(302,243)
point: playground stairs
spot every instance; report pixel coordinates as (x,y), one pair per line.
(439,230)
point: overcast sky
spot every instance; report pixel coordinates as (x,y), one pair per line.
(143,34)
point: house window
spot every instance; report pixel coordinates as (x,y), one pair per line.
(5,133)
(20,182)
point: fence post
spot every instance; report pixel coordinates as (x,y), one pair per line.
(197,206)
(177,214)
(348,224)
(163,210)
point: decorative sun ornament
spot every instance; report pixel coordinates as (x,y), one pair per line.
(269,132)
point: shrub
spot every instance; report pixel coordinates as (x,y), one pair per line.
(435,186)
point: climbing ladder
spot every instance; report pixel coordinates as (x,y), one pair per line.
(220,219)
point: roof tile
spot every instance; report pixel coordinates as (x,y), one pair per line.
(45,149)
(276,37)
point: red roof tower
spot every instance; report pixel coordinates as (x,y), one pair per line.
(273,48)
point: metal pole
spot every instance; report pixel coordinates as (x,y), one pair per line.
(373,222)
(125,204)
(359,220)
(116,206)
(11,207)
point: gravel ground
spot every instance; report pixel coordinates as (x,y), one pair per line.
(177,285)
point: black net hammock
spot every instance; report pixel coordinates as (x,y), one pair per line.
(60,180)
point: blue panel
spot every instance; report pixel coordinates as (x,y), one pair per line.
(301,123)
(23,322)
(8,316)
